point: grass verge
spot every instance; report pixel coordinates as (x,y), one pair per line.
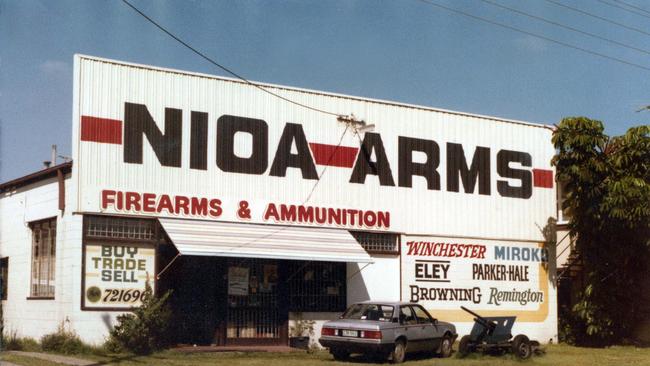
(555,355)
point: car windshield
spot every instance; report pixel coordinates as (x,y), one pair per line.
(382,313)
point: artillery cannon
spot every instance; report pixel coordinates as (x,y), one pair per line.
(493,335)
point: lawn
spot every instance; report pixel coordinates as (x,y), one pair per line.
(555,355)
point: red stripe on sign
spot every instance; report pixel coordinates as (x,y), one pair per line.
(104,130)
(543,178)
(332,155)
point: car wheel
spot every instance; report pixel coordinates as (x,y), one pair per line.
(521,347)
(445,347)
(399,352)
(339,354)
(464,346)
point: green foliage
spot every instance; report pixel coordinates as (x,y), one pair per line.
(64,341)
(14,343)
(145,329)
(607,185)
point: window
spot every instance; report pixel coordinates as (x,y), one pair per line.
(317,286)
(382,313)
(406,316)
(379,243)
(43,258)
(4,273)
(421,315)
(120,228)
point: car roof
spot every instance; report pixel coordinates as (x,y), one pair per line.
(392,303)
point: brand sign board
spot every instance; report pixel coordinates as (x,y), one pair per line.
(492,278)
(160,142)
(115,275)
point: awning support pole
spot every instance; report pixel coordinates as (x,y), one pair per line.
(359,271)
(167,266)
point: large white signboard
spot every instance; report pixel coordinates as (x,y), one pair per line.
(115,275)
(491,278)
(167,143)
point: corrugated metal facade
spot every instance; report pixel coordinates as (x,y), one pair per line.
(107,90)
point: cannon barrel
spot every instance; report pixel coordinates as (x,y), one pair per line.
(490,325)
(473,313)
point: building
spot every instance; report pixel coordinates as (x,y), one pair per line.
(261,214)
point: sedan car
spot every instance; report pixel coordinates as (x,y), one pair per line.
(387,330)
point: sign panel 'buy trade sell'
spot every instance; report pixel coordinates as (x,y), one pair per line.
(115,275)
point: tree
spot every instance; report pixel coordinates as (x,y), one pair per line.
(608,202)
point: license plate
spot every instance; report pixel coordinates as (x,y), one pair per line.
(349,333)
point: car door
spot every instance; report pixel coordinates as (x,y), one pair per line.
(428,331)
(408,320)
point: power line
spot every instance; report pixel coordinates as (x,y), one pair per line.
(632,6)
(623,8)
(566,27)
(202,55)
(594,53)
(598,17)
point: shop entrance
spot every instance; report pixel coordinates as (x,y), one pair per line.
(256,303)
(246,301)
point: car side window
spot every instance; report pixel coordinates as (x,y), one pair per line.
(421,315)
(406,316)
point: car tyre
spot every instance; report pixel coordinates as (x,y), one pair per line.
(521,347)
(445,347)
(464,346)
(399,352)
(339,354)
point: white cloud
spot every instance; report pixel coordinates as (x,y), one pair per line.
(54,67)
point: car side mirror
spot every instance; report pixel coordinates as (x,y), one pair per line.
(435,321)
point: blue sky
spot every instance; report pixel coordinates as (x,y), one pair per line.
(404,50)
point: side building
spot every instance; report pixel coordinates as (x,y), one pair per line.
(262,215)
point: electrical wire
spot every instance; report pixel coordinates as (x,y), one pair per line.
(518,30)
(566,26)
(202,55)
(213,62)
(303,202)
(598,17)
(632,6)
(623,8)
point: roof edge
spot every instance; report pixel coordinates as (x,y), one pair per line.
(312,91)
(36,176)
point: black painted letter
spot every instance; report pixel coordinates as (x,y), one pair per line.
(227,161)
(363,166)
(504,158)
(138,122)
(199,141)
(457,165)
(285,159)
(407,168)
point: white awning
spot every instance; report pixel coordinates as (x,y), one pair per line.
(227,239)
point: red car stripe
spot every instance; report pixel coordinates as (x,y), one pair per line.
(332,155)
(104,130)
(543,178)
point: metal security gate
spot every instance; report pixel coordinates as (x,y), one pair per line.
(255,306)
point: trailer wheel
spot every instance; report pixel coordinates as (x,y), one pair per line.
(464,346)
(521,347)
